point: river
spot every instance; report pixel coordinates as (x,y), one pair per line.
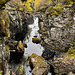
(32,47)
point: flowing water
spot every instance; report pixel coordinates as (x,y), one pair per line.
(32,47)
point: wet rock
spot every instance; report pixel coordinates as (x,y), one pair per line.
(57,26)
(36,40)
(2,3)
(25,45)
(12,44)
(21,70)
(47,54)
(16,50)
(20,47)
(39,65)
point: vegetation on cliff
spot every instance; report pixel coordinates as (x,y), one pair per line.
(4,24)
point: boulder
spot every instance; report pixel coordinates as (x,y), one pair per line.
(25,45)
(47,54)
(21,70)
(38,64)
(36,40)
(65,63)
(20,47)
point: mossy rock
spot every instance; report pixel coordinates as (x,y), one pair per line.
(7,49)
(4,24)
(25,45)
(43,29)
(20,47)
(34,59)
(21,70)
(36,40)
(3,2)
(38,61)
(66,59)
(43,44)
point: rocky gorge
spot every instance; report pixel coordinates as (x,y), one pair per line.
(52,36)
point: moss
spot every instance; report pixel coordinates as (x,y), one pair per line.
(64,16)
(21,70)
(20,47)
(59,8)
(43,43)
(67,24)
(7,49)
(37,57)
(0,41)
(36,40)
(4,24)
(70,54)
(25,45)
(72,11)
(2,2)
(56,10)
(42,36)
(70,19)
(54,13)
(1,72)
(73,42)
(52,21)
(43,29)
(68,2)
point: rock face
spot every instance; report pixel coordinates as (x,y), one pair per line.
(59,26)
(4,58)
(21,70)
(19,19)
(39,65)
(47,54)
(65,63)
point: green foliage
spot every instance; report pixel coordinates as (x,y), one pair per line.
(2,2)
(73,42)
(4,24)
(68,2)
(1,72)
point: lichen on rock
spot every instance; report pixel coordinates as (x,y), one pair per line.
(20,47)
(21,70)
(40,66)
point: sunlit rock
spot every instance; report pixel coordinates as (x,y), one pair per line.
(36,40)
(20,47)
(21,70)
(40,66)
(25,45)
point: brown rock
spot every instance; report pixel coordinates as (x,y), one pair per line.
(40,67)
(20,47)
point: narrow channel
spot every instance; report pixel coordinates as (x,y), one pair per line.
(32,48)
